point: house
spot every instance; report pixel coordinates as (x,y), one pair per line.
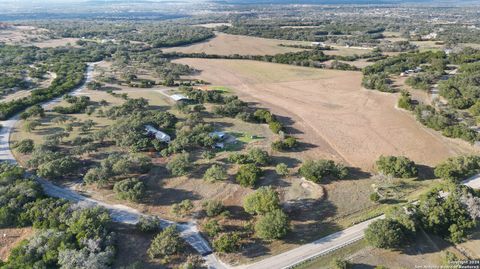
(218,134)
(179,97)
(159,135)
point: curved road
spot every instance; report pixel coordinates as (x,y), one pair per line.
(189,231)
(119,213)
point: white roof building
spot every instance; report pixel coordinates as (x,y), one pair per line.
(179,97)
(159,135)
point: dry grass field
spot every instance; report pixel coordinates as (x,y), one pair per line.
(32,36)
(225,44)
(329,110)
(346,51)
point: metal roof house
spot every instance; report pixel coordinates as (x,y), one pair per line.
(179,97)
(159,135)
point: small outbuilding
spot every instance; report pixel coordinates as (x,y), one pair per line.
(159,135)
(179,97)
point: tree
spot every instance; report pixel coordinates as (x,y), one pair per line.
(148,224)
(24,146)
(130,189)
(183,208)
(281,169)
(396,166)
(261,201)
(385,233)
(375,197)
(273,225)
(248,175)
(320,169)
(166,243)
(214,173)
(341,264)
(179,165)
(213,208)
(227,242)
(258,156)
(458,168)
(212,228)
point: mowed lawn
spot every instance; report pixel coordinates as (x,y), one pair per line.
(226,44)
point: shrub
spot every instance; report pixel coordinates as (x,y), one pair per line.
(396,166)
(213,208)
(179,165)
(258,156)
(166,243)
(458,168)
(341,264)
(248,175)
(261,201)
(317,170)
(130,189)
(285,144)
(212,228)
(273,225)
(405,101)
(238,158)
(148,224)
(281,169)
(375,197)
(385,233)
(58,168)
(24,146)
(183,208)
(275,126)
(227,242)
(214,173)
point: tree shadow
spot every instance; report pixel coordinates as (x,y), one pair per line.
(425,172)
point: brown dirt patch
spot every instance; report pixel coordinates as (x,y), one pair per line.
(225,44)
(331,113)
(10,237)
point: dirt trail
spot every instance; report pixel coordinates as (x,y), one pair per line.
(331,111)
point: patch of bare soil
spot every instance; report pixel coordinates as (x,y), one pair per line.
(11,237)
(331,113)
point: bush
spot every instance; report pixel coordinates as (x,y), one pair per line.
(214,173)
(458,168)
(258,156)
(316,171)
(238,158)
(385,233)
(179,165)
(183,208)
(166,243)
(130,189)
(341,264)
(273,225)
(58,168)
(405,101)
(148,224)
(375,197)
(227,242)
(25,146)
(213,208)
(396,166)
(261,201)
(212,228)
(281,169)
(248,175)
(285,144)
(275,126)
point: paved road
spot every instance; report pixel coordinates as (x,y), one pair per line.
(119,213)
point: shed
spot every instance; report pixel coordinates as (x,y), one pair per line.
(159,135)
(179,97)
